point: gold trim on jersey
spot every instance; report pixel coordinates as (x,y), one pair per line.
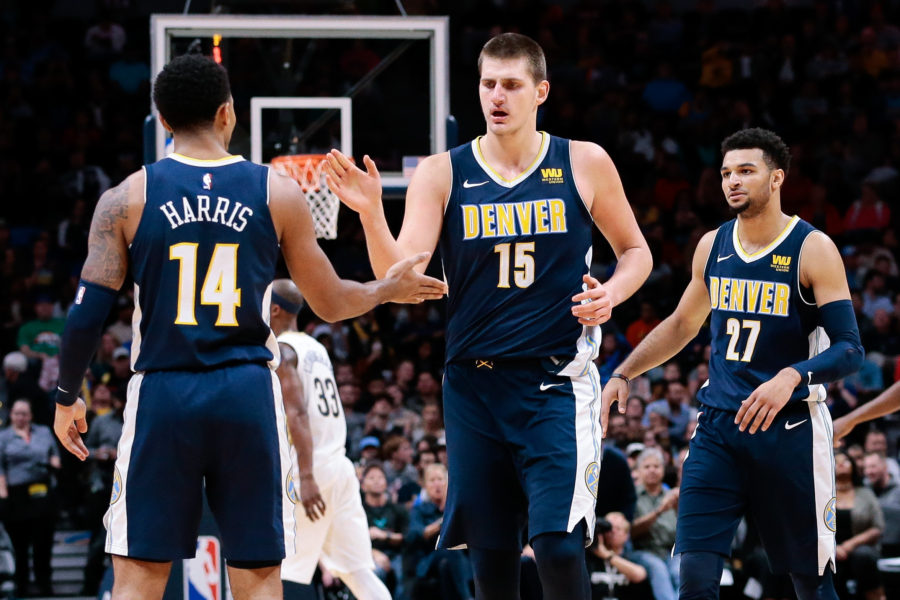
(746,257)
(206,162)
(500,179)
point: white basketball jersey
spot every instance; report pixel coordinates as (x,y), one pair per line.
(326,415)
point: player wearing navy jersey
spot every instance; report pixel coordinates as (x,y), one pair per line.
(201,229)
(514,212)
(778,294)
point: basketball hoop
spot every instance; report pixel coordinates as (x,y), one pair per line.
(307,170)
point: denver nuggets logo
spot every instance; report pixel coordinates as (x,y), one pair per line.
(207,181)
(291,488)
(592,478)
(829,517)
(117,487)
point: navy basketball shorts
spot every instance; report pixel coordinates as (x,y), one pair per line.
(782,479)
(223,427)
(523,450)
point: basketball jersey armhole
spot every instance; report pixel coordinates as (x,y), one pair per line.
(574,187)
(712,250)
(138,229)
(450,192)
(799,262)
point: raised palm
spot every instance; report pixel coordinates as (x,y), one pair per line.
(359,190)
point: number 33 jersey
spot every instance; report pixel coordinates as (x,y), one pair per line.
(514,252)
(762,319)
(323,404)
(203,258)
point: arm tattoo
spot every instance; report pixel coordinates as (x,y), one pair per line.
(107,261)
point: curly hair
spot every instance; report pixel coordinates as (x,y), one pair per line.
(189,90)
(775,152)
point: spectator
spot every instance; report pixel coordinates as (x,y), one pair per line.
(679,413)
(369,450)
(356,422)
(614,577)
(874,294)
(388,523)
(450,567)
(867,215)
(18,383)
(432,422)
(397,453)
(876,441)
(859,523)
(28,452)
(653,530)
(643,325)
(887,491)
(122,328)
(39,340)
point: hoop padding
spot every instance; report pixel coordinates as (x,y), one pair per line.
(307,170)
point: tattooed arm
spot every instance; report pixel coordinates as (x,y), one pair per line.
(101,277)
(107,260)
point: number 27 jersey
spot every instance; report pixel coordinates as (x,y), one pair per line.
(762,319)
(203,257)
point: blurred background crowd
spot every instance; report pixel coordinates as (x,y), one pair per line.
(656,83)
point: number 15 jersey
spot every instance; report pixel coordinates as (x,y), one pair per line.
(203,257)
(514,252)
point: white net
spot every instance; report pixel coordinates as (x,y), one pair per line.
(306,169)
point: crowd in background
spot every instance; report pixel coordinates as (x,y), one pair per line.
(657,87)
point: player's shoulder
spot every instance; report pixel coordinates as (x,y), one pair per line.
(433,175)
(590,159)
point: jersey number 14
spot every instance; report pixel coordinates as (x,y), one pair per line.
(219,286)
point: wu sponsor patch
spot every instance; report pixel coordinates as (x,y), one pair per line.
(782,264)
(551,175)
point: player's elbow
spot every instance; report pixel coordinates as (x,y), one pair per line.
(854,355)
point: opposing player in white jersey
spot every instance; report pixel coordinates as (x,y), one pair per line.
(331,522)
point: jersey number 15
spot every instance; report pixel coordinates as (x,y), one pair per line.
(219,286)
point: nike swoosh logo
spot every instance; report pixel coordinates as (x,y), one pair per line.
(790,426)
(467,185)
(546,386)
(721,258)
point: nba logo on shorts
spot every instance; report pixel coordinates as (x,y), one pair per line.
(203,573)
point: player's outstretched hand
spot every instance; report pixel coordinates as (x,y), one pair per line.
(68,424)
(593,306)
(615,390)
(411,287)
(359,190)
(311,499)
(760,408)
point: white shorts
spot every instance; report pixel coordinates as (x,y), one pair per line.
(340,538)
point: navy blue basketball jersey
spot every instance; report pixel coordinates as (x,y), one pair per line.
(203,258)
(762,319)
(514,253)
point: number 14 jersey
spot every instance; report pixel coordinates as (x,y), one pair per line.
(762,319)
(203,258)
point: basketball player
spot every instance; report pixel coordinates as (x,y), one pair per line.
(763,441)
(202,230)
(883,404)
(339,535)
(514,212)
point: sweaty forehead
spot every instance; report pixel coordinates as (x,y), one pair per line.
(743,156)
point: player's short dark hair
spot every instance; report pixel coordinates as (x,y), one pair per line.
(515,45)
(189,90)
(775,152)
